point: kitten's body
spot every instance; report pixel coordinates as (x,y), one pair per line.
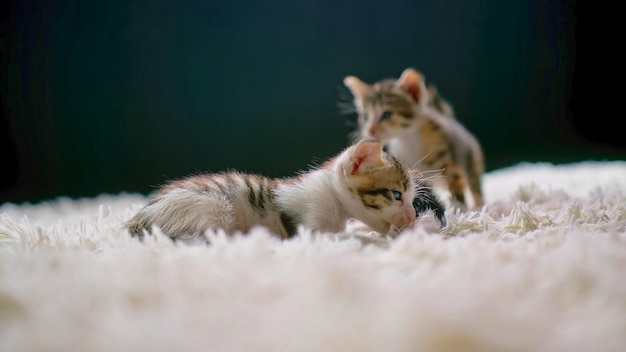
(358,183)
(438,102)
(417,131)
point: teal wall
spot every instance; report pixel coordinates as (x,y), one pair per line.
(110,96)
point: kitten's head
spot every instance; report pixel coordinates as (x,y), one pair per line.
(381,190)
(388,107)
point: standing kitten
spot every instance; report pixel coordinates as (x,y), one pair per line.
(398,113)
(362,182)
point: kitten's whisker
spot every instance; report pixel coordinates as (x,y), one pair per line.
(350,123)
(419,186)
(421,190)
(436,173)
(346,108)
(428,180)
(420,160)
(355,135)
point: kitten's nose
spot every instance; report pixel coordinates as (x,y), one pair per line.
(411,216)
(405,219)
(374,132)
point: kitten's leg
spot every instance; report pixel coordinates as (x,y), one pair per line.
(457,182)
(184,215)
(474,172)
(474,184)
(214,212)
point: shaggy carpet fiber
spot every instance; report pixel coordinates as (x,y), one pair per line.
(541,268)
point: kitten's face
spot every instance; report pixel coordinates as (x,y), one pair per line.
(388,108)
(385,112)
(383,188)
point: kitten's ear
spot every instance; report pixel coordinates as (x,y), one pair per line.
(357,87)
(366,155)
(412,82)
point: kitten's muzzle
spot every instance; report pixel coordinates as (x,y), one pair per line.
(404,219)
(375,132)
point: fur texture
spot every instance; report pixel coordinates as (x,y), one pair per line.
(421,132)
(438,102)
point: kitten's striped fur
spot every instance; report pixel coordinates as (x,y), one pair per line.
(438,102)
(420,132)
(359,183)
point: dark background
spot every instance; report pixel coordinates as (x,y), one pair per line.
(106,96)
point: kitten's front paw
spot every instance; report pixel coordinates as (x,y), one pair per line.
(357,227)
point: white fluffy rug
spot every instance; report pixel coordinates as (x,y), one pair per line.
(541,268)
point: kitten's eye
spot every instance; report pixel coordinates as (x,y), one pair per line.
(396,195)
(365,117)
(386,115)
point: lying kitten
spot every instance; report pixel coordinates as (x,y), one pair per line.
(419,133)
(362,182)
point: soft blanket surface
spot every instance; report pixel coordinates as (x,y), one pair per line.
(541,268)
